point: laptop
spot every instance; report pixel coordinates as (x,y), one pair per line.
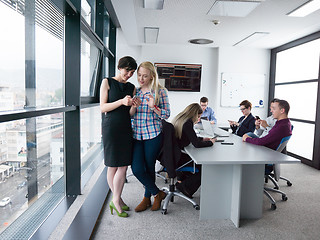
(209,130)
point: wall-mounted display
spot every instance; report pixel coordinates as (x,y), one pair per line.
(180,77)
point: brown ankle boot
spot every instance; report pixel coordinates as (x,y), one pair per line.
(157,200)
(145,203)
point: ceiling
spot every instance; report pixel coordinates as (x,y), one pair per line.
(182,20)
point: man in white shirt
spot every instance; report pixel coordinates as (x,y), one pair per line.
(264,126)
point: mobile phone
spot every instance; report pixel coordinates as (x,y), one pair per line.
(257,117)
(227,143)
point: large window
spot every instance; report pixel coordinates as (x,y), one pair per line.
(51,61)
(90,56)
(296,70)
(90,134)
(31,77)
(49,69)
(88,12)
(12,61)
(42,84)
(31,163)
(298,63)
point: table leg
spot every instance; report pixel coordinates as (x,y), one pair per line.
(231,192)
(252,191)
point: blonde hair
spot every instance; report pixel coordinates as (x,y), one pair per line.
(190,112)
(155,85)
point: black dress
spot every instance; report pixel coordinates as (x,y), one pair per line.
(116,127)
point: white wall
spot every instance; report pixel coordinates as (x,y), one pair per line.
(242,60)
(214,61)
(186,55)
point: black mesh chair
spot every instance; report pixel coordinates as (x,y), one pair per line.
(169,157)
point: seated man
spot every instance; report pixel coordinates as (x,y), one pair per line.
(263,126)
(281,129)
(208,112)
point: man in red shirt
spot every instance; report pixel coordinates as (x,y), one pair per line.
(281,129)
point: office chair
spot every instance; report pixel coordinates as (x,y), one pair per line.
(272,172)
(271,175)
(169,157)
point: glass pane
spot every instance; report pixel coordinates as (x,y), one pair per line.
(298,63)
(301,142)
(106,67)
(12,60)
(298,95)
(90,134)
(32,161)
(106,26)
(30,60)
(89,66)
(88,11)
(49,69)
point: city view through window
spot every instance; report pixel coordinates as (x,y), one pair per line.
(32,162)
(31,150)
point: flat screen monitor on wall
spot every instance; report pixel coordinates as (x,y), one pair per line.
(180,77)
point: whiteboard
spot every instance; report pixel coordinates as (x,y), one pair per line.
(236,87)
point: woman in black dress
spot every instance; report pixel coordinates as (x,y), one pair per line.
(116,98)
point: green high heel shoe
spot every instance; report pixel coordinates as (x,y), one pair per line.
(125,208)
(112,206)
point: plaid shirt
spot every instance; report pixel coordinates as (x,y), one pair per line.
(147,124)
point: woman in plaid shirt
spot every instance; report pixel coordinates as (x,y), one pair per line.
(154,106)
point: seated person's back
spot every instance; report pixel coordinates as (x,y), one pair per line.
(189,136)
(185,134)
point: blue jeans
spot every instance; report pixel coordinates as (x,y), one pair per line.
(251,134)
(145,153)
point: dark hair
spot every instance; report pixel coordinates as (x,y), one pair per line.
(246,104)
(275,100)
(127,63)
(284,104)
(204,99)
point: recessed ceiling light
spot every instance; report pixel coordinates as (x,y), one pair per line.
(153,4)
(151,34)
(305,9)
(251,38)
(200,41)
(233,8)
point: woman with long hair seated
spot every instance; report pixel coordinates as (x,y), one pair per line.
(183,124)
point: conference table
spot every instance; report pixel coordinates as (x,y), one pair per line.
(232,178)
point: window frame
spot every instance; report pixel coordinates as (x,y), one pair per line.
(73,103)
(315,161)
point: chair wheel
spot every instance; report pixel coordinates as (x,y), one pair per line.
(273,207)
(284,198)
(197,207)
(289,184)
(164,211)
